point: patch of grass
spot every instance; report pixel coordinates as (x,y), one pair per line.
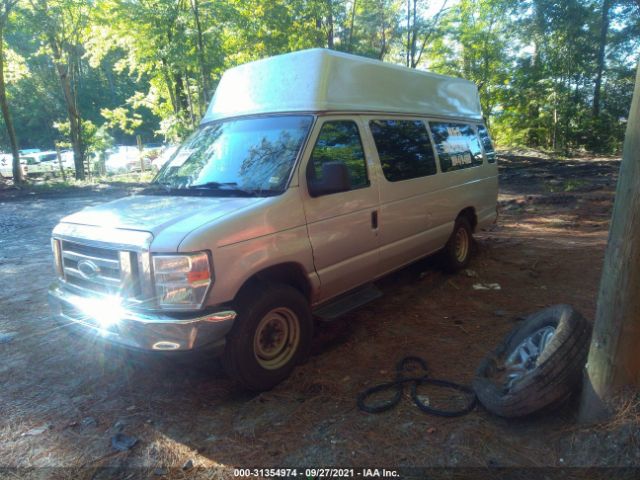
(57,183)
(574,184)
(132,177)
(571,185)
(50,185)
(57,186)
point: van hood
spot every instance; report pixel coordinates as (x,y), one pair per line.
(153,213)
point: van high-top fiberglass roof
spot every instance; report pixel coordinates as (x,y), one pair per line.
(325,80)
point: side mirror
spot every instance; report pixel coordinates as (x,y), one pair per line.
(335,178)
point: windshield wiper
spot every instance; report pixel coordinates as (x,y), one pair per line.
(213,185)
(231,187)
(208,188)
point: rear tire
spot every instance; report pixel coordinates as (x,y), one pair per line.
(457,251)
(271,335)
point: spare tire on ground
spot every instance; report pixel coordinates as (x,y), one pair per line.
(537,366)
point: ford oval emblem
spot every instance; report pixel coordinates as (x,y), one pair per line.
(88,269)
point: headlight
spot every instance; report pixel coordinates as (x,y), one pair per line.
(181,280)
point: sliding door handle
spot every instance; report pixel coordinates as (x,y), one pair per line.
(374,219)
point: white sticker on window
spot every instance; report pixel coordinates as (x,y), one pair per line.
(182,156)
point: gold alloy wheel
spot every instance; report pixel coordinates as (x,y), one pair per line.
(461,245)
(277,338)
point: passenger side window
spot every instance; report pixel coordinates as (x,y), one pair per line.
(404,149)
(457,145)
(339,141)
(489,152)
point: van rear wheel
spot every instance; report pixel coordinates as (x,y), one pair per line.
(457,251)
(271,335)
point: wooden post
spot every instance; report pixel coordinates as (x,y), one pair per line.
(64,175)
(614,358)
(139,140)
(102,163)
(87,159)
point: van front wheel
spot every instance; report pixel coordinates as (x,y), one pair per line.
(457,251)
(271,335)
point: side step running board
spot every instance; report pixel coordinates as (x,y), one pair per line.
(345,303)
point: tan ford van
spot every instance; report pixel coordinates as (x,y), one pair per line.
(312,175)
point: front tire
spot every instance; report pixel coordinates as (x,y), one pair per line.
(271,335)
(457,251)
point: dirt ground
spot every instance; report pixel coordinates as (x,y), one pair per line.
(62,398)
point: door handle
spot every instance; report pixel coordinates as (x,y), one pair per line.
(374,219)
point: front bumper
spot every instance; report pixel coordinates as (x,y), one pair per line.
(137,329)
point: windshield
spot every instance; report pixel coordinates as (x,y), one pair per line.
(252,156)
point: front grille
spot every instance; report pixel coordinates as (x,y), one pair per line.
(99,270)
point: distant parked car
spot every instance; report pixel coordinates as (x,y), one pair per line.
(40,164)
(147,157)
(27,151)
(47,162)
(31,167)
(6,166)
(119,157)
(124,159)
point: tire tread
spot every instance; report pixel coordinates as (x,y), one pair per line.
(557,375)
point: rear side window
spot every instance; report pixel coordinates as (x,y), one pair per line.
(457,145)
(486,144)
(404,149)
(339,141)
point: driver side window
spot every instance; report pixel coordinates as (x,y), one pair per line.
(339,141)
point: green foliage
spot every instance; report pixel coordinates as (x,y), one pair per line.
(96,139)
(120,118)
(150,67)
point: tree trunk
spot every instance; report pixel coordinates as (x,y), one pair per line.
(353,19)
(431,30)
(4,105)
(170,87)
(190,103)
(414,35)
(77,146)
(75,124)
(330,31)
(604,29)
(613,357)
(408,33)
(63,70)
(181,94)
(108,73)
(204,71)
(383,33)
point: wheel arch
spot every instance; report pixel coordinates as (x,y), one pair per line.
(470,214)
(288,273)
